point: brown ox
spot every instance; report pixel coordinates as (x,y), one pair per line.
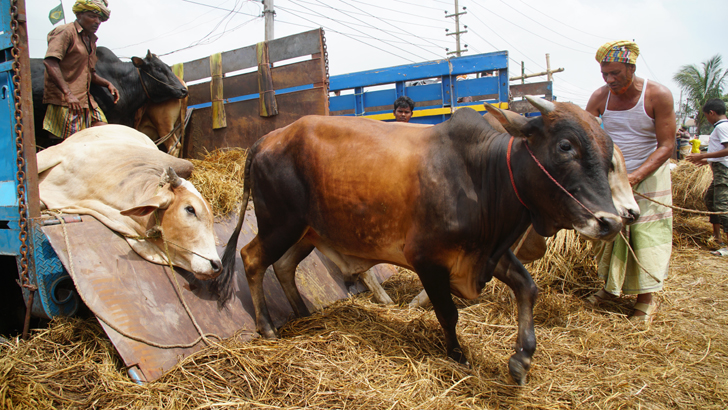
(437,200)
(164,120)
(117,175)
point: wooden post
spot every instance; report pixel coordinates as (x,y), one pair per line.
(549,77)
(218,105)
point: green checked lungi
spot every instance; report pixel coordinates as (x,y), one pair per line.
(650,238)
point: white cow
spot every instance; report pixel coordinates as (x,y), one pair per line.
(117,175)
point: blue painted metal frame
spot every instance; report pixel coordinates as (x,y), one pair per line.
(445,93)
(45,269)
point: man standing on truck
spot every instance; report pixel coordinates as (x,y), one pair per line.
(70,70)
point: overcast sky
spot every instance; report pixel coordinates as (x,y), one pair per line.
(369,34)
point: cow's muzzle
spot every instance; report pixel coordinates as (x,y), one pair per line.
(603,226)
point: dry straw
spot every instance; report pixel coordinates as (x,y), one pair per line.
(357,354)
(219,178)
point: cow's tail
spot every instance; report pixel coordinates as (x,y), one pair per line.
(223,285)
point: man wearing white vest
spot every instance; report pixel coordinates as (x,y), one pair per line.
(639,116)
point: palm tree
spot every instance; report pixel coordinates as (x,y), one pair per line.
(702,84)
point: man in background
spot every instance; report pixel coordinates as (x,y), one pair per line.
(403,108)
(70,70)
(716,198)
(639,116)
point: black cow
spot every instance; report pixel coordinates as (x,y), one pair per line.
(139,81)
(438,200)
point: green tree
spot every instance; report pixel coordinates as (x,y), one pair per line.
(701,84)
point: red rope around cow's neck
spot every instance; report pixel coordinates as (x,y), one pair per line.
(510,171)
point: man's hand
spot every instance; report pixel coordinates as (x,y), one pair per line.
(697,159)
(74,105)
(634,179)
(114,92)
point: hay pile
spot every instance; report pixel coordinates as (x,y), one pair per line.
(689,183)
(219,178)
(360,355)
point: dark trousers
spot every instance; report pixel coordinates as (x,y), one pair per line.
(716,197)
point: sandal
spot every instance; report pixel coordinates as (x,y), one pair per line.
(598,298)
(648,310)
(720,252)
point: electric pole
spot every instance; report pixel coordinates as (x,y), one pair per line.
(457,32)
(268,13)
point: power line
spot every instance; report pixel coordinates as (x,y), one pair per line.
(529,31)
(561,22)
(393,26)
(506,41)
(401,12)
(546,27)
(343,34)
(355,29)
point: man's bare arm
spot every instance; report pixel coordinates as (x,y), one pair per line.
(596,102)
(53,68)
(98,80)
(665,128)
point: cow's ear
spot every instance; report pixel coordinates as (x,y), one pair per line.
(513,123)
(138,62)
(160,201)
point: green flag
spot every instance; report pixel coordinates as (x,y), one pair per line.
(56,14)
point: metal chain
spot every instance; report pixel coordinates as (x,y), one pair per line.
(22,206)
(326,62)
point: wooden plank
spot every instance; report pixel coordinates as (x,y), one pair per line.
(137,298)
(522,107)
(287,76)
(544,88)
(216,87)
(283,48)
(245,126)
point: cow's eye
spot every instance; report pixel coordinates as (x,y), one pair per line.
(565,145)
(190,210)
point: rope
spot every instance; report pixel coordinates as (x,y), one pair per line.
(693,211)
(510,171)
(203,336)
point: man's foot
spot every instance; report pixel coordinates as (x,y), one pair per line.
(599,298)
(643,312)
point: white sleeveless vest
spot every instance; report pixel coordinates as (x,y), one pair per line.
(632,130)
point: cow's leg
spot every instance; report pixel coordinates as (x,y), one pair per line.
(255,266)
(519,280)
(285,269)
(436,281)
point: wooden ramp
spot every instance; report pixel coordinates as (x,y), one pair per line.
(140,308)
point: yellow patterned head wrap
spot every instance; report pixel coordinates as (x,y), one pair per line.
(622,51)
(100,7)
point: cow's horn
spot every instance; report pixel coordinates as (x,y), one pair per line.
(149,54)
(544,106)
(174,180)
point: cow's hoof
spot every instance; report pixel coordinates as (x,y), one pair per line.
(518,369)
(458,355)
(268,333)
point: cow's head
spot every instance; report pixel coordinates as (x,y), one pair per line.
(158,79)
(576,151)
(186,223)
